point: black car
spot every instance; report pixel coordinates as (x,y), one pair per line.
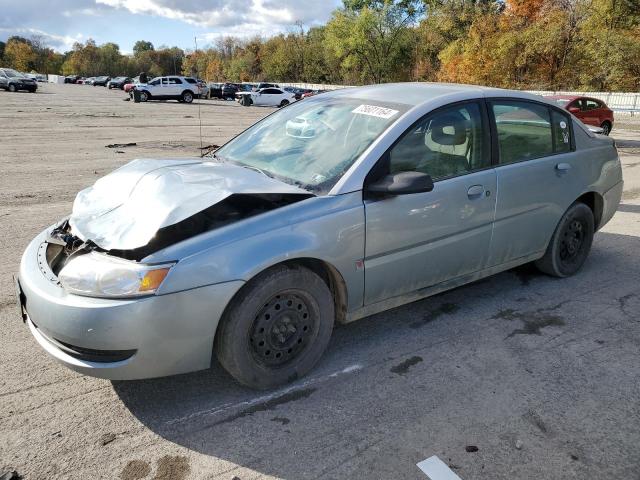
(13,81)
(118,82)
(229,91)
(71,78)
(101,81)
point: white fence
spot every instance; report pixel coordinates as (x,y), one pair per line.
(619,102)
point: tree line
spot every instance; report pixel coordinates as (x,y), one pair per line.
(532,44)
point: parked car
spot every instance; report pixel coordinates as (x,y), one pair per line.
(89,81)
(298,92)
(262,85)
(214,90)
(118,82)
(71,78)
(229,91)
(101,81)
(183,89)
(254,255)
(12,81)
(590,111)
(129,86)
(312,93)
(273,97)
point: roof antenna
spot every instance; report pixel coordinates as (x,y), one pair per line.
(195,41)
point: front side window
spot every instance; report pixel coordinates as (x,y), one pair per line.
(524,130)
(443,144)
(155,82)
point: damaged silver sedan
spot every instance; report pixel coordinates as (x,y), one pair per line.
(329,210)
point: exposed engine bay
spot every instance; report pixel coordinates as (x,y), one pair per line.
(63,244)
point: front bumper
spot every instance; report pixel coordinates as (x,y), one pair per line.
(126,339)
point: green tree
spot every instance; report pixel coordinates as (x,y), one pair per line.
(374,43)
(142,46)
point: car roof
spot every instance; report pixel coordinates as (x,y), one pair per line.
(563,97)
(418,93)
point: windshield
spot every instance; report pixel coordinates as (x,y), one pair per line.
(311,143)
(13,74)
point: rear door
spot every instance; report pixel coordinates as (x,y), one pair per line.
(538,176)
(175,86)
(418,240)
(592,111)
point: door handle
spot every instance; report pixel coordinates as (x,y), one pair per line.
(563,167)
(475,191)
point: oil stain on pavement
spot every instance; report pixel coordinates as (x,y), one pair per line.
(403,367)
(532,322)
(444,309)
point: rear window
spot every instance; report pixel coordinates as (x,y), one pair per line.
(524,130)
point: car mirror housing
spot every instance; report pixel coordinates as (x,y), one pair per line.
(401,183)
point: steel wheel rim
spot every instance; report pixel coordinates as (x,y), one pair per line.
(573,241)
(283,328)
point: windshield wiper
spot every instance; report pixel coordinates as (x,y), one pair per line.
(259,170)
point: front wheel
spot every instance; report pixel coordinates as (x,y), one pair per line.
(284,103)
(187,97)
(276,328)
(12,88)
(606,128)
(570,243)
(144,96)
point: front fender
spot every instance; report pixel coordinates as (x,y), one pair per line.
(331,231)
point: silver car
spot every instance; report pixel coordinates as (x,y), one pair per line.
(329,210)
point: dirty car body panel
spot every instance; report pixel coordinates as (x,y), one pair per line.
(209,228)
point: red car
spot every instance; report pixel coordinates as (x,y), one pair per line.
(590,111)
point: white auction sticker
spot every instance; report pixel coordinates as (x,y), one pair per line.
(374,111)
(563,125)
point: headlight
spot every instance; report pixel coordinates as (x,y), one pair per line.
(99,275)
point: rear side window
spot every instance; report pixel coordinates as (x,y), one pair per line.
(174,81)
(561,132)
(524,130)
(591,104)
(190,80)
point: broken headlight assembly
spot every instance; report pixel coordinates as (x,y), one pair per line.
(98,275)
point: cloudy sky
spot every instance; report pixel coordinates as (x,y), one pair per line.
(163,22)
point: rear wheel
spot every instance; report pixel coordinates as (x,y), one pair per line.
(570,243)
(284,103)
(276,329)
(606,128)
(12,87)
(187,96)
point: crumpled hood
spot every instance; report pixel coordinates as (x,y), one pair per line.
(125,209)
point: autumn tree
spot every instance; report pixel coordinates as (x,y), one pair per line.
(19,54)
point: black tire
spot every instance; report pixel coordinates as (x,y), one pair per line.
(144,96)
(276,328)
(284,103)
(12,88)
(606,128)
(570,243)
(187,96)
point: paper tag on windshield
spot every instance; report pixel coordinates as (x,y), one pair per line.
(375,111)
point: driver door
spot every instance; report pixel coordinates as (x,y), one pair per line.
(417,240)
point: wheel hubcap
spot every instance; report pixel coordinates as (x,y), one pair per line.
(572,241)
(282,329)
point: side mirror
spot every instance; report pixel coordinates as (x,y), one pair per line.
(402,183)
(574,110)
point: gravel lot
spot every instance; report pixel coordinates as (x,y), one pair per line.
(552,366)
